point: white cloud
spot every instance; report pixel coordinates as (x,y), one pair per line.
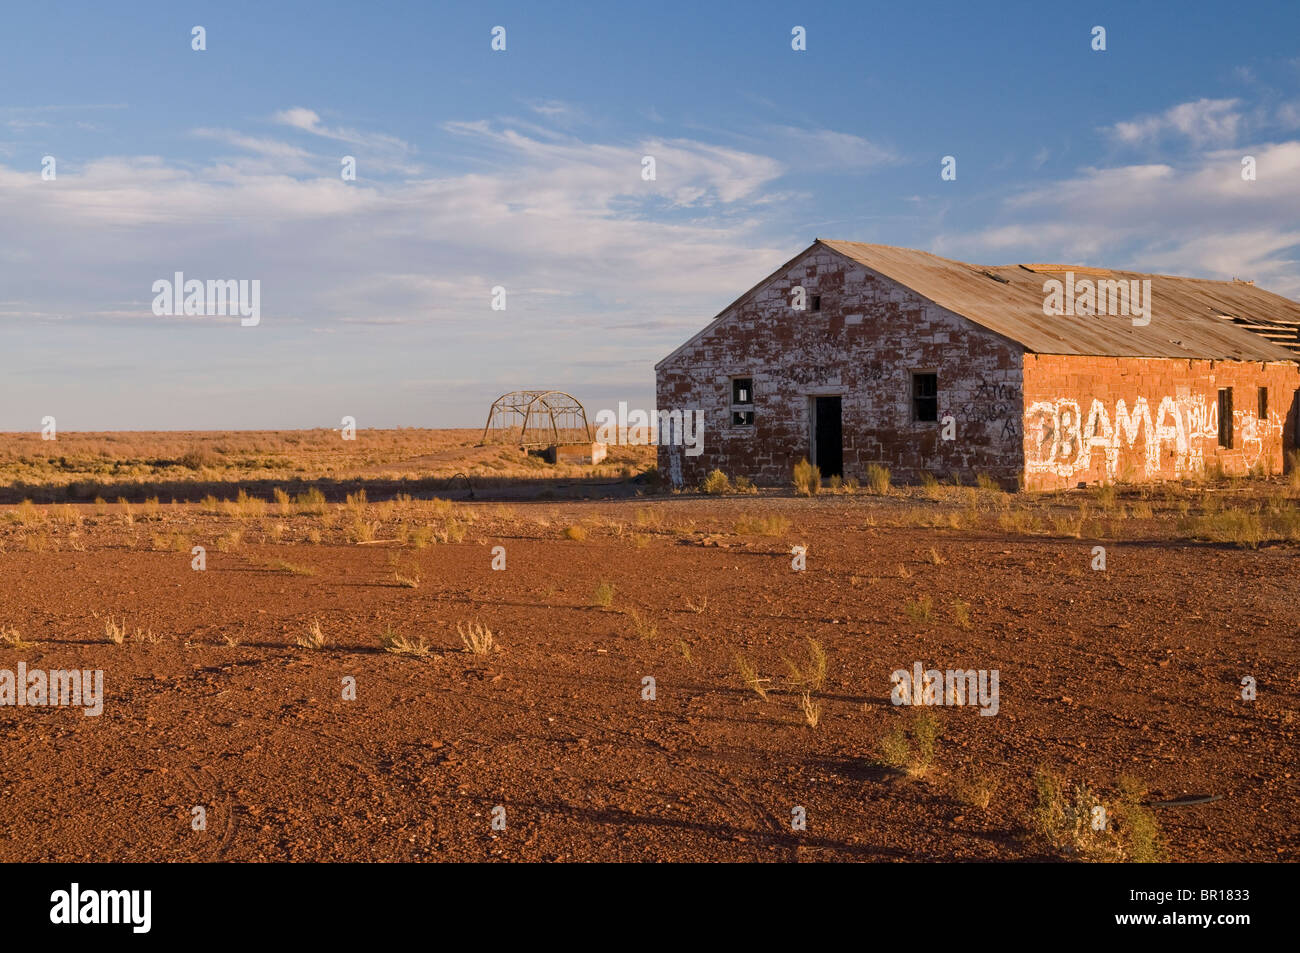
(1197,218)
(538,216)
(1202,122)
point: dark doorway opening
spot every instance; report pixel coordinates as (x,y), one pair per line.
(829,448)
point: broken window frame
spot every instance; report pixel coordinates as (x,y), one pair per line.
(931,400)
(742,412)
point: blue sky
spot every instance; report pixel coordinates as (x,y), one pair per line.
(522,169)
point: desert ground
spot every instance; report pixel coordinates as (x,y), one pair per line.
(351,675)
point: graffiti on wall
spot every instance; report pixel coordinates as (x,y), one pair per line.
(1060,438)
(994,402)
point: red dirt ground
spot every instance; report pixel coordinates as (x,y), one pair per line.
(1134,670)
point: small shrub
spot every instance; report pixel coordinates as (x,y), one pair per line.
(772,525)
(575,533)
(807,478)
(1067,821)
(603,595)
(919,610)
(912,749)
(198,458)
(961,614)
(1230,526)
(362,531)
(895,750)
(310,502)
(244,506)
(978,791)
(877,478)
(716,483)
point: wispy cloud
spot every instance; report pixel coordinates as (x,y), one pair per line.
(1202,122)
(828,149)
(309,121)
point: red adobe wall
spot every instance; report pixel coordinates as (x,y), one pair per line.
(1091,419)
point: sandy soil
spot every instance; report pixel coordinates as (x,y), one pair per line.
(1135,670)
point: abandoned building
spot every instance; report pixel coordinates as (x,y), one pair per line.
(853,354)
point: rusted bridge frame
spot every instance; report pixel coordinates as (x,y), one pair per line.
(541,416)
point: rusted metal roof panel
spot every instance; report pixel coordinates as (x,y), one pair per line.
(1189,317)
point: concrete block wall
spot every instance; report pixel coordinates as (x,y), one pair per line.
(1092,419)
(863,345)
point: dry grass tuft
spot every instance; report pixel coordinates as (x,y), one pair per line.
(919,610)
(771,525)
(310,503)
(603,595)
(812,711)
(476,637)
(697,609)
(644,628)
(401,644)
(807,478)
(809,676)
(115,632)
(961,614)
(876,478)
(978,791)
(749,675)
(313,638)
(12,638)
(294,569)
(229,542)
(912,749)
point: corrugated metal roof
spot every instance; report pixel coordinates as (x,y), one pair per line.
(1190,317)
